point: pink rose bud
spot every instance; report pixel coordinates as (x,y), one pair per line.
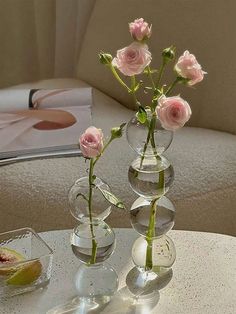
(91,142)
(133,59)
(140,30)
(173,112)
(188,67)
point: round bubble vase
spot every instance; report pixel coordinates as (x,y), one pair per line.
(92,242)
(78,200)
(152,214)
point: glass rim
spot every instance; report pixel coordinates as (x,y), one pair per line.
(32,231)
(96,224)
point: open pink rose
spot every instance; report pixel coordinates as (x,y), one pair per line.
(188,67)
(173,112)
(91,142)
(133,59)
(140,30)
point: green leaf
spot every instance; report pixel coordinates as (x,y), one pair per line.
(141,115)
(111,198)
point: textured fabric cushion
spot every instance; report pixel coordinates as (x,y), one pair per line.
(34,193)
(188,25)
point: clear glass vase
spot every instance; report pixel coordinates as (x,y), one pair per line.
(136,134)
(163,252)
(164,216)
(92,242)
(82,242)
(94,280)
(152,214)
(151,177)
(78,200)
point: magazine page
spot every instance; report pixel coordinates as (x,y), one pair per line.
(37,121)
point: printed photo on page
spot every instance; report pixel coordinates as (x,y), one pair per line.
(42,120)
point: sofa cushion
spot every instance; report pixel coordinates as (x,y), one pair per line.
(186,24)
(34,193)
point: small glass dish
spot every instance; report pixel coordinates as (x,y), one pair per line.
(25,262)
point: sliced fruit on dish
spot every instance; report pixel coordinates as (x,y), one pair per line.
(26,274)
(8,257)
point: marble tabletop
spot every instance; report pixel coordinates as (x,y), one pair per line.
(204,277)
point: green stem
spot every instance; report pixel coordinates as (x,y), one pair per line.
(154,145)
(113,70)
(161,182)
(91,184)
(105,146)
(133,83)
(150,76)
(161,72)
(161,186)
(150,235)
(94,243)
(150,137)
(171,86)
(146,145)
(151,226)
(152,219)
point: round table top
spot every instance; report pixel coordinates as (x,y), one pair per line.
(204,276)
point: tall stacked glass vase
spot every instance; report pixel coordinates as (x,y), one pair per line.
(152,214)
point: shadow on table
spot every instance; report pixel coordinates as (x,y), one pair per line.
(123,302)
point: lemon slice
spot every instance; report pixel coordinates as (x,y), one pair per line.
(26,274)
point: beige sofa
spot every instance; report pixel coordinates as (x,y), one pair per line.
(203,154)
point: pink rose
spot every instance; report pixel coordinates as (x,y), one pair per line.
(173,112)
(91,142)
(140,30)
(133,59)
(188,67)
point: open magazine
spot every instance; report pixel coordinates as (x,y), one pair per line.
(42,123)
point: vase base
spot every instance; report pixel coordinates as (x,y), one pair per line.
(142,283)
(97,282)
(81,305)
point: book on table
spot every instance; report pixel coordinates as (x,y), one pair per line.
(40,123)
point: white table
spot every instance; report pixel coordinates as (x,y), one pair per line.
(204,276)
